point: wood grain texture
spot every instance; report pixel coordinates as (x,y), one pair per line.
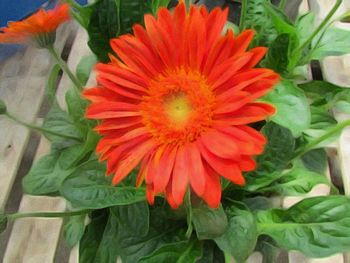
(22,88)
(32,239)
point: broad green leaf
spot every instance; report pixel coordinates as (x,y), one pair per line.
(268,249)
(156,4)
(80,13)
(104,25)
(278,56)
(76,108)
(321,121)
(241,235)
(320,88)
(297,181)
(279,19)
(211,253)
(107,252)
(109,19)
(60,122)
(277,155)
(88,187)
(85,67)
(209,223)
(73,229)
(75,154)
(3,222)
(333,42)
(304,25)
(162,231)
(51,83)
(293,110)
(318,226)
(315,160)
(343,106)
(178,252)
(134,218)
(46,175)
(279,149)
(258,203)
(257,18)
(92,237)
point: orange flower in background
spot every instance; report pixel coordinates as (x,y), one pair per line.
(178,101)
(40,23)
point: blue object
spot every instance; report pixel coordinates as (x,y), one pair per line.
(14,10)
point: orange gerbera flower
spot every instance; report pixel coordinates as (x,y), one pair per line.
(38,25)
(178,100)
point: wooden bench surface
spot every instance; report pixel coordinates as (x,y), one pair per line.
(22,84)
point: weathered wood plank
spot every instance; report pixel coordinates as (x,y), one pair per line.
(22,91)
(32,239)
(78,50)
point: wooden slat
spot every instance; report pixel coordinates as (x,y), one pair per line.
(32,239)
(337,70)
(23,91)
(78,50)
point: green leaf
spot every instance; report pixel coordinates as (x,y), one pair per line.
(241,236)
(278,151)
(88,187)
(304,25)
(278,57)
(76,108)
(211,253)
(333,42)
(82,14)
(107,252)
(320,88)
(103,26)
(257,18)
(343,106)
(85,67)
(297,181)
(209,223)
(321,121)
(277,155)
(162,231)
(109,19)
(73,229)
(3,222)
(59,121)
(3,108)
(318,226)
(92,237)
(156,4)
(51,83)
(134,218)
(178,252)
(46,175)
(315,160)
(279,19)
(293,110)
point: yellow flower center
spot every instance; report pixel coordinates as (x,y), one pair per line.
(178,107)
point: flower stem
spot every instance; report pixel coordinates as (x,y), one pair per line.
(320,27)
(243,15)
(15,216)
(228,258)
(282,4)
(39,129)
(65,68)
(324,137)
